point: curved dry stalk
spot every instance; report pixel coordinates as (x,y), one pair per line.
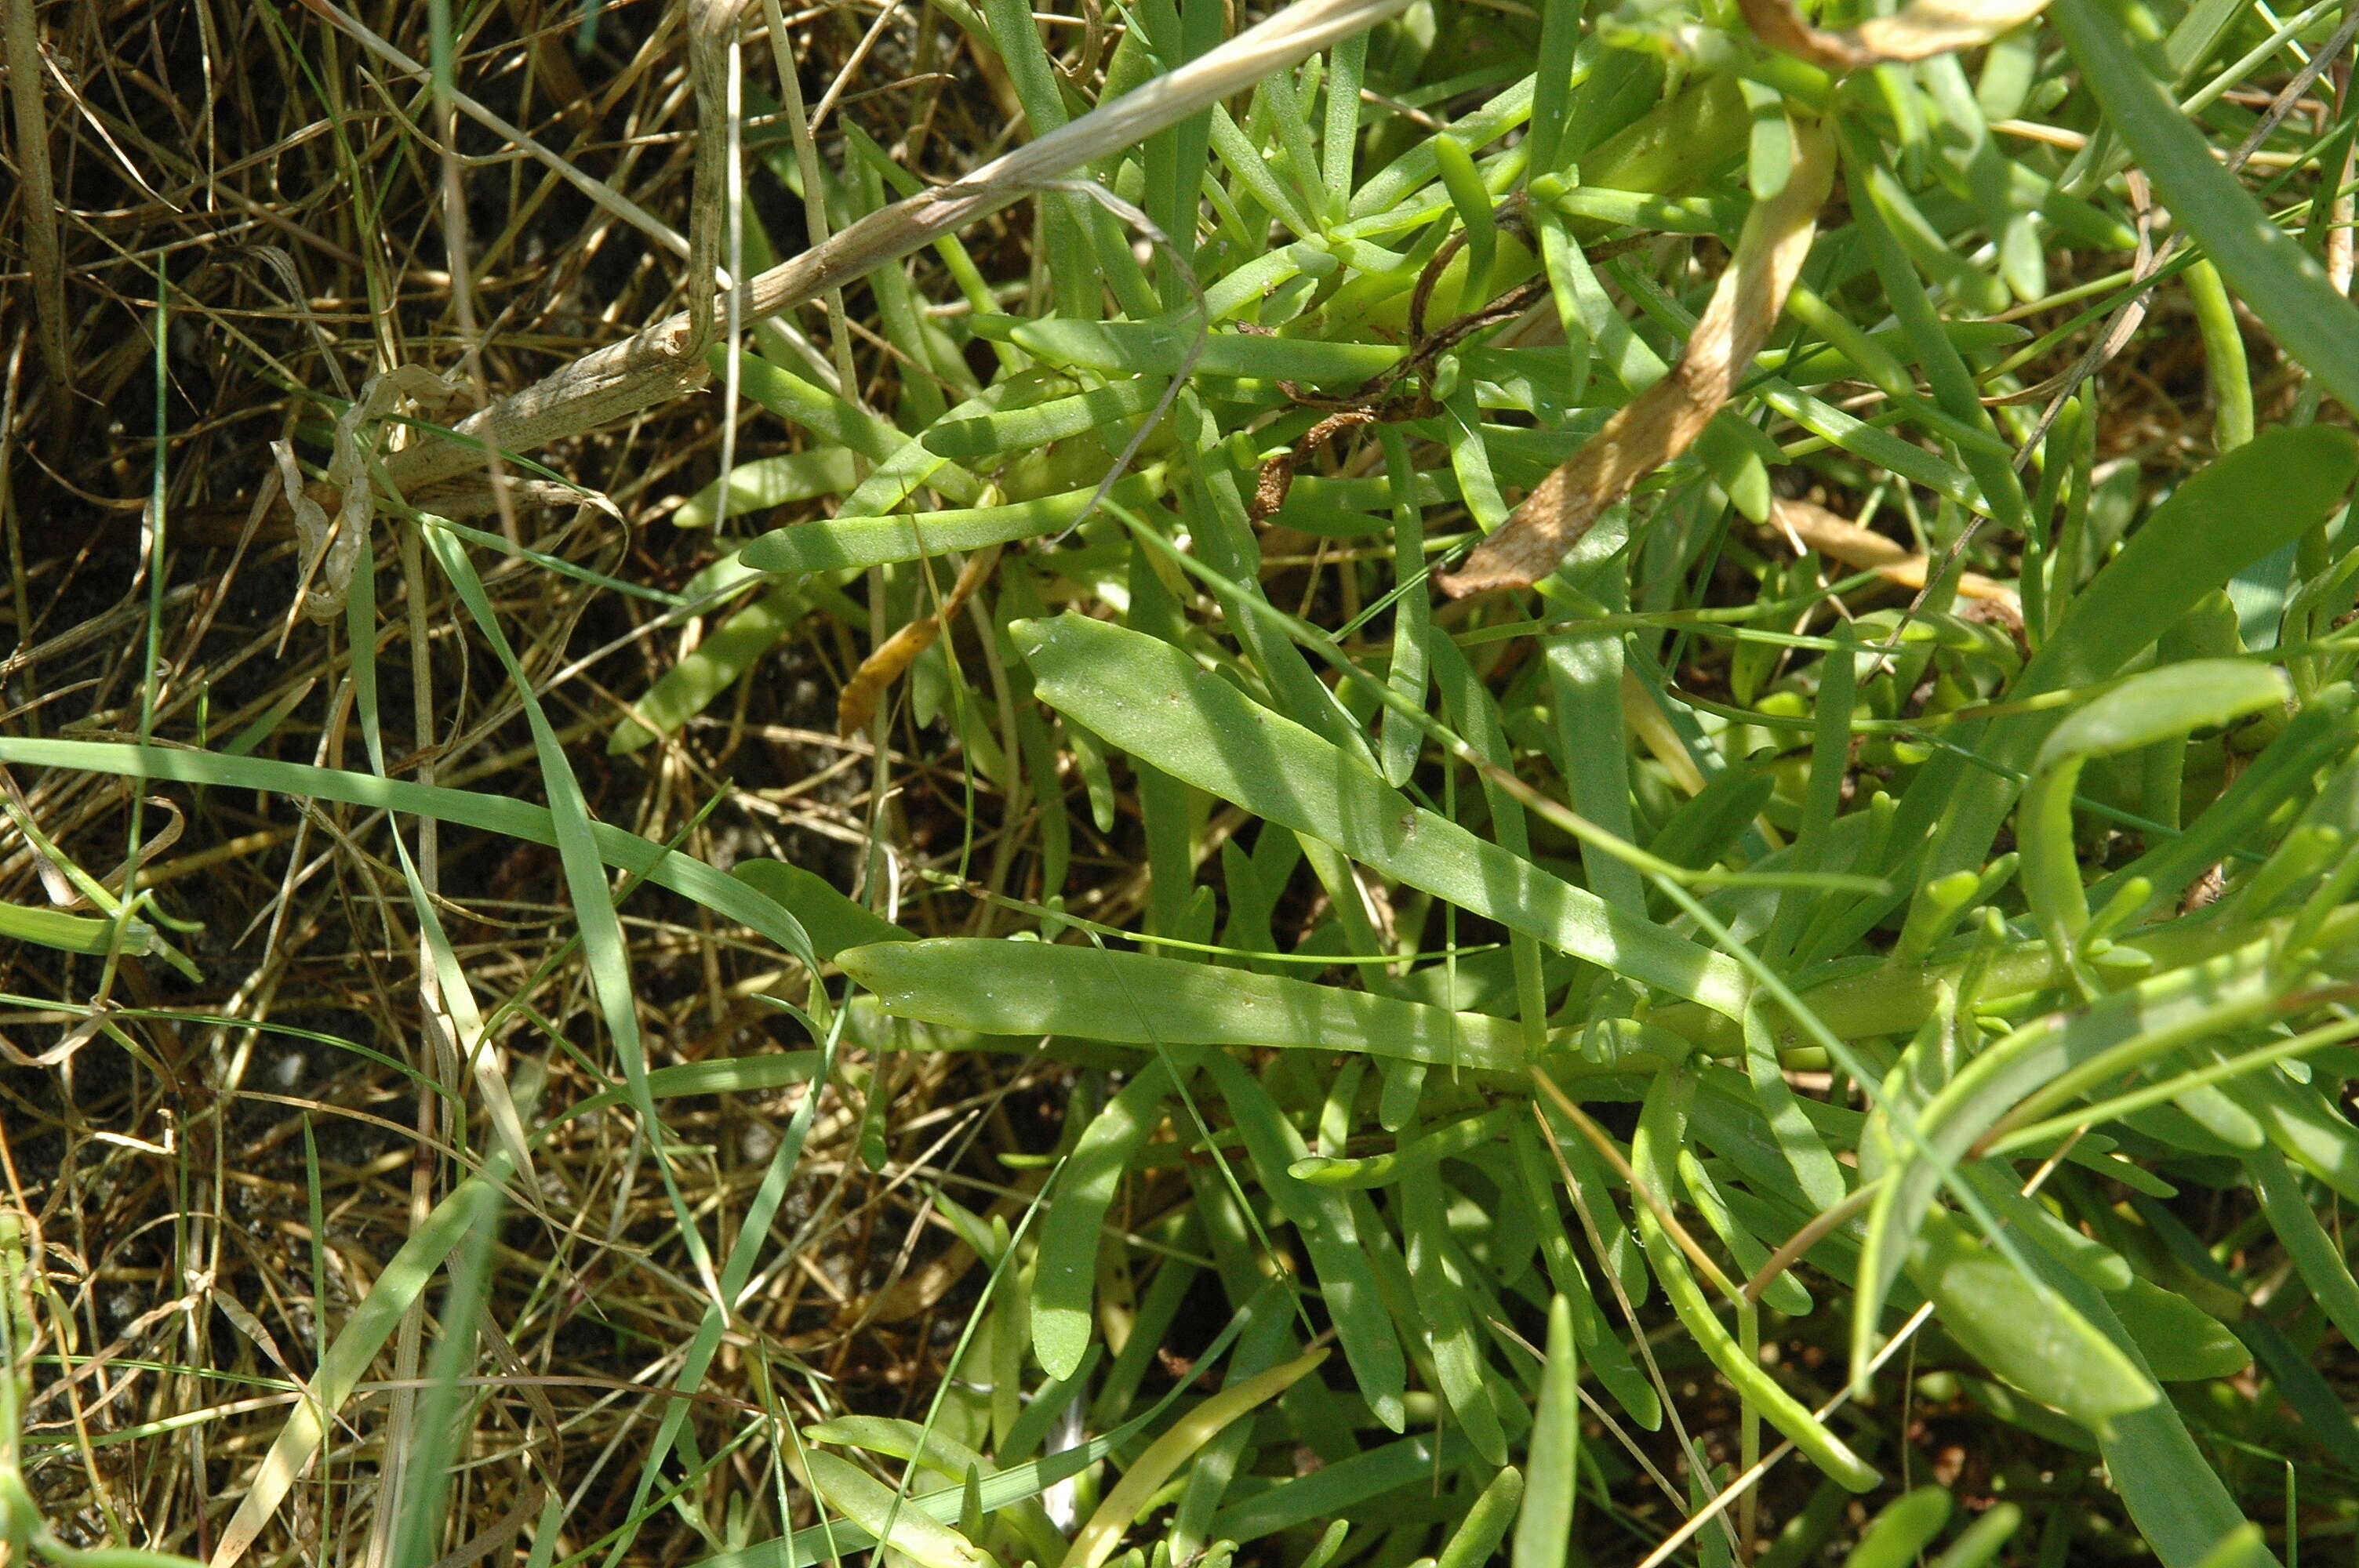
(1665,419)
(1916,32)
(711,24)
(332,547)
(655,365)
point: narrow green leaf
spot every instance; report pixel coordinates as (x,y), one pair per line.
(2192,543)
(1160,348)
(688,688)
(1418,1155)
(1606,1355)
(722,1075)
(1544,1530)
(2316,1255)
(2181,1342)
(833,921)
(1339,1489)
(1902,1530)
(1330,1234)
(1005,433)
(767,482)
(1400,743)
(1066,1276)
(1154,701)
(2158,704)
(2022,1330)
(870,1503)
(1662,1128)
(54,929)
(1485,1524)
(1981,1540)
(1444,1287)
(2113,1034)
(2174,1496)
(1128,1499)
(823,414)
(997,986)
(2243,1547)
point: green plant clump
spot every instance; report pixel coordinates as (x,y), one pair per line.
(1631,726)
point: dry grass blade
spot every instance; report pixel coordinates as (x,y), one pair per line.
(1662,421)
(332,547)
(39,213)
(604,195)
(1917,32)
(1812,527)
(654,366)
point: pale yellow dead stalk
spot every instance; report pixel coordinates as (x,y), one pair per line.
(1914,32)
(711,24)
(1665,419)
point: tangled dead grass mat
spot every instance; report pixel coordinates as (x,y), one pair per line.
(274,179)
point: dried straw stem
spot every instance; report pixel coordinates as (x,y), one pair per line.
(38,202)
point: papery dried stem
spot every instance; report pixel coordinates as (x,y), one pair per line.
(332,546)
(710,25)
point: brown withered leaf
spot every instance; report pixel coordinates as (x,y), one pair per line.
(1917,31)
(856,704)
(1810,526)
(1665,419)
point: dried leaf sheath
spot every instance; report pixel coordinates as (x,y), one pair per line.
(857,703)
(1662,421)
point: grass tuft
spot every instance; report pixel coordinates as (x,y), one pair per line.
(1362,785)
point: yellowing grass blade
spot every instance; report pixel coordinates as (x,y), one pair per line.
(880,669)
(1161,1461)
(871,1505)
(347,1360)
